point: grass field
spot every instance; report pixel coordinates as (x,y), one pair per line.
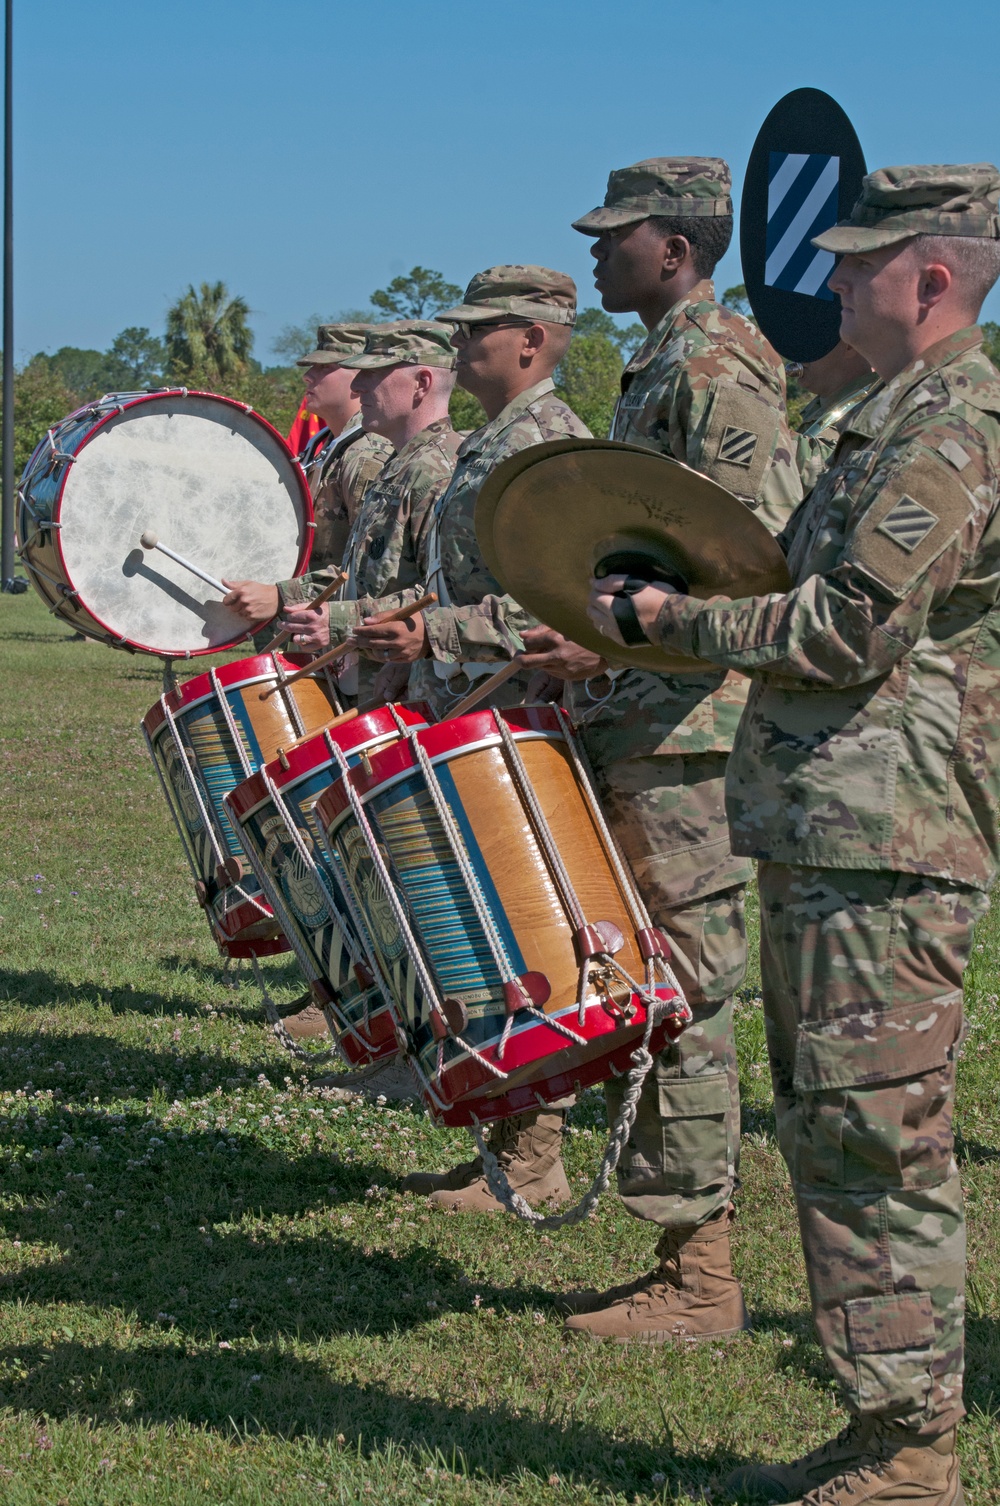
(211,1289)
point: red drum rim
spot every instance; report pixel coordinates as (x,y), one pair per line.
(459,732)
(305,496)
(231,676)
(314,752)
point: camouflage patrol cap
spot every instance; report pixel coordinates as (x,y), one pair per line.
(334,343)
(899,202)
(683,187)
(409,342)
(535,293)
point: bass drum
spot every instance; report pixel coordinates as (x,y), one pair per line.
(208,476)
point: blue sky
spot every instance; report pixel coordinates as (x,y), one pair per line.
(306,151)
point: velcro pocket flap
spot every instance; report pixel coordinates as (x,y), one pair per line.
(887,1325)
(694,1097)
(911,522)
(877,1045)
(740,434)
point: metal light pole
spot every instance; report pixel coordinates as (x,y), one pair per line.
(8,582)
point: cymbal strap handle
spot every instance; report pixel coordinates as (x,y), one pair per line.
(625,614)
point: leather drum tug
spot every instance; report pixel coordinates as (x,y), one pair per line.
(204,738)
(479,853)
(132,507)
(274,813)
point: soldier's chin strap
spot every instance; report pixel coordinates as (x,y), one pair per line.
(625,614)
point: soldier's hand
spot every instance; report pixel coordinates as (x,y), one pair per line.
(390,683)
(393,642)
(543,687)
(251,600)
(545,649)
(646,604)
(309,627)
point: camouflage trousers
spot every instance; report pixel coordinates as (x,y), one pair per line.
(668,814)
(862,978)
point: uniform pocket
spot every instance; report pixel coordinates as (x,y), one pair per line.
(890,1339)
(873,1098)
(696,1132)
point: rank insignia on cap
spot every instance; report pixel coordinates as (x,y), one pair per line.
(908,524)
(737,446)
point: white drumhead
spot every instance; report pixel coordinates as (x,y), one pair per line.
(213,484)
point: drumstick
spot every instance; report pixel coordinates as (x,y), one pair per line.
(399,615)
(317,601)
(150,541)
(485,688)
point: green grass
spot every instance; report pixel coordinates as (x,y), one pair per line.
(211,1289)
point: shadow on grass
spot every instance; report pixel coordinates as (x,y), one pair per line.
(273,1391)
(35,988)
(84,1065)
(973,1150)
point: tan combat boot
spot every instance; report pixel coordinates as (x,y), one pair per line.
(529,1148)
(784,1482)
(893,1467)
(426,1182)
(305,1024)
(693,1294)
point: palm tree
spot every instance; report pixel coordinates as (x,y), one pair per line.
(208,334)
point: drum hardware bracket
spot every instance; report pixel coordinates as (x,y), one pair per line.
(618,1135)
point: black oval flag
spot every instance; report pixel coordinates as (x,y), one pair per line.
(804,175)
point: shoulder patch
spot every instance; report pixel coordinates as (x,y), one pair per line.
(738,441)
(952,451)
(910,523)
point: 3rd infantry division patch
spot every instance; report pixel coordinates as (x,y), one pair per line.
(908,523)
(737,446)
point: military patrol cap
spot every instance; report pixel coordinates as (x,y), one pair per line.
(334,343)
(535,293)
(899,202)
(409,342)
(682,187)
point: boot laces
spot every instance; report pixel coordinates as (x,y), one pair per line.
(869,1468)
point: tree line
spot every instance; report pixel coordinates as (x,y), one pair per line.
(208,343)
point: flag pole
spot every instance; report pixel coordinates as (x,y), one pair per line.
(8,581)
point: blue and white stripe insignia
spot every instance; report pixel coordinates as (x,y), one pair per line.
(802,197)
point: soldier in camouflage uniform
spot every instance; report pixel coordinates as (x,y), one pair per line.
(707,389)
(864,780)
(339,462)
(510,333)
(404,377)
(838,381)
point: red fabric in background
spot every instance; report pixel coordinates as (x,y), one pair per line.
(304,427)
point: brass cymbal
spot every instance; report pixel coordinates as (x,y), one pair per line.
(554,515)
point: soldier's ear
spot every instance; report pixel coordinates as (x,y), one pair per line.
(676,252)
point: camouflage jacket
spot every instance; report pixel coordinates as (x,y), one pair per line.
(708,389)
(338,471)
(387,541)
(475,622)
(870,737)
(820,425)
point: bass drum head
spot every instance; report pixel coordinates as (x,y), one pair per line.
(214,483)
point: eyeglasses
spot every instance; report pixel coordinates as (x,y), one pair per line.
(467,330)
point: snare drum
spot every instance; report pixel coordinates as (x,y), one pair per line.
(205,738)
(215,483)
(273,813)
(534,962)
